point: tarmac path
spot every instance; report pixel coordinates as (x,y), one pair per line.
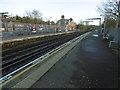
(90,64)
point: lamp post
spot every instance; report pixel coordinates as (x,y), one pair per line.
(49,22)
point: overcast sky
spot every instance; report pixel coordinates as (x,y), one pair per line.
(76,9)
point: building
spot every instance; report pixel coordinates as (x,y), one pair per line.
(65,24)
(71,26)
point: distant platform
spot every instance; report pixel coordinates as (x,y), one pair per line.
(23,37)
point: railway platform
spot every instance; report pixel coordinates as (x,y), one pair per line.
(13,41)
(90,64)
(87,62)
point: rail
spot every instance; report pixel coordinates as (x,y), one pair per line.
(42,52)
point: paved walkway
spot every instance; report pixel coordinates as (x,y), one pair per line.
(90,64)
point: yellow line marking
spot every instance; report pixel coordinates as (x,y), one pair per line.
(29,67)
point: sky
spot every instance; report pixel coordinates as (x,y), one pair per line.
(53,9)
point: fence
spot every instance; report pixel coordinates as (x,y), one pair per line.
(113,34)
(8,29)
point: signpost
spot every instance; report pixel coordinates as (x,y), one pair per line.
(95,19)
(100,31)
(87,22)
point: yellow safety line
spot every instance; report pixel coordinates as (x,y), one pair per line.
(29,67)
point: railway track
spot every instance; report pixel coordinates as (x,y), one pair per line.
(22,56)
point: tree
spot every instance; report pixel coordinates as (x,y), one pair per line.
(81,22)
(52,23)
(111,23)
(81,26)
(28,14)
(110,10)
(18,18)
(27,19)
(35,15)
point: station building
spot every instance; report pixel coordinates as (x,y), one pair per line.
(65,24)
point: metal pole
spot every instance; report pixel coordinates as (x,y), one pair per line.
(117,17)
(100,27)
(104,31)
(118,12)
(117,21)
